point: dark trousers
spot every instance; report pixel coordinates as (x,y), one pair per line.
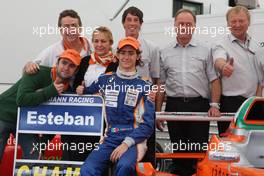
(229,104)
(79,146)
(184,134)
(150,154)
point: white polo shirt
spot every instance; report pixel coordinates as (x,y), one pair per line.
(48,57)
(243,81)
(151,59)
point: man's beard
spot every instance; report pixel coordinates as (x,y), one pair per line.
(63,77)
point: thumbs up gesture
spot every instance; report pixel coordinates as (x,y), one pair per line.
(228,68)
(80,89)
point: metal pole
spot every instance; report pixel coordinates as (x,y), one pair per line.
(119,10)
(192,116)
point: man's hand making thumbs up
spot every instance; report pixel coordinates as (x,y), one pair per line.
(80,89)
(227,68)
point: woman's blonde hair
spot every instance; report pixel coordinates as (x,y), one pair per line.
(106,31)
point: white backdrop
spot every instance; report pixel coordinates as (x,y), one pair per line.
(19,42)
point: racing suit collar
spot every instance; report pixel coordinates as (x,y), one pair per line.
(126,75)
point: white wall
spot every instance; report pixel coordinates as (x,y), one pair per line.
(156,30)
(18,43)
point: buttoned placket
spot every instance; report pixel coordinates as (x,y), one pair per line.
(184,65)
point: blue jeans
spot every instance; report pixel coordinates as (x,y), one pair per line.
(99,159)
(26,141)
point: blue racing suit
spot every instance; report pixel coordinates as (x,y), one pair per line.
(129,118)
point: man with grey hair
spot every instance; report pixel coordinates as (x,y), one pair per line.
(233,57)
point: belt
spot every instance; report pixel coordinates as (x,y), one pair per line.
(239,97)
(185,99)
(115,130)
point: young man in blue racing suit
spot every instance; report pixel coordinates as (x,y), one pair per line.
(129,114)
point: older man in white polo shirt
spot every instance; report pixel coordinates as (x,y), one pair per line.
(234,59)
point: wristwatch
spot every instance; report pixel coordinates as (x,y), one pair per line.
(215,105)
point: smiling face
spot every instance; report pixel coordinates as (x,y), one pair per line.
(127,57)
(70,30)
(102,43)
(132,25)
(65,68)
(238,23)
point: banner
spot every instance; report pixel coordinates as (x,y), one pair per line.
(46,169)
(67,115)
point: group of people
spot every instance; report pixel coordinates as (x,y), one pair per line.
(70,63)
(197,78)
(207,78)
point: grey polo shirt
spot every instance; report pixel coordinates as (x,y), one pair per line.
(150,57)
(187,71)
(243,80)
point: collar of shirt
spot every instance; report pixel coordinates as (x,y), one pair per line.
(233,38)
(245,45)
(191,43)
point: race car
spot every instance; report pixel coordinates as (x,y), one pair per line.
(240,152)
(243,146)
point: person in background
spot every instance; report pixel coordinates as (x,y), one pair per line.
(129,113)
(70,26)
(132,20)
(188,73)
(234,59)
(32,90)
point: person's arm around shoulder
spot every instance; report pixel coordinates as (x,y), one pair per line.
(45,58)
(31,68)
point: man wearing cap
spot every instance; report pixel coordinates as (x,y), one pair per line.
(129,114)
(32,90)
